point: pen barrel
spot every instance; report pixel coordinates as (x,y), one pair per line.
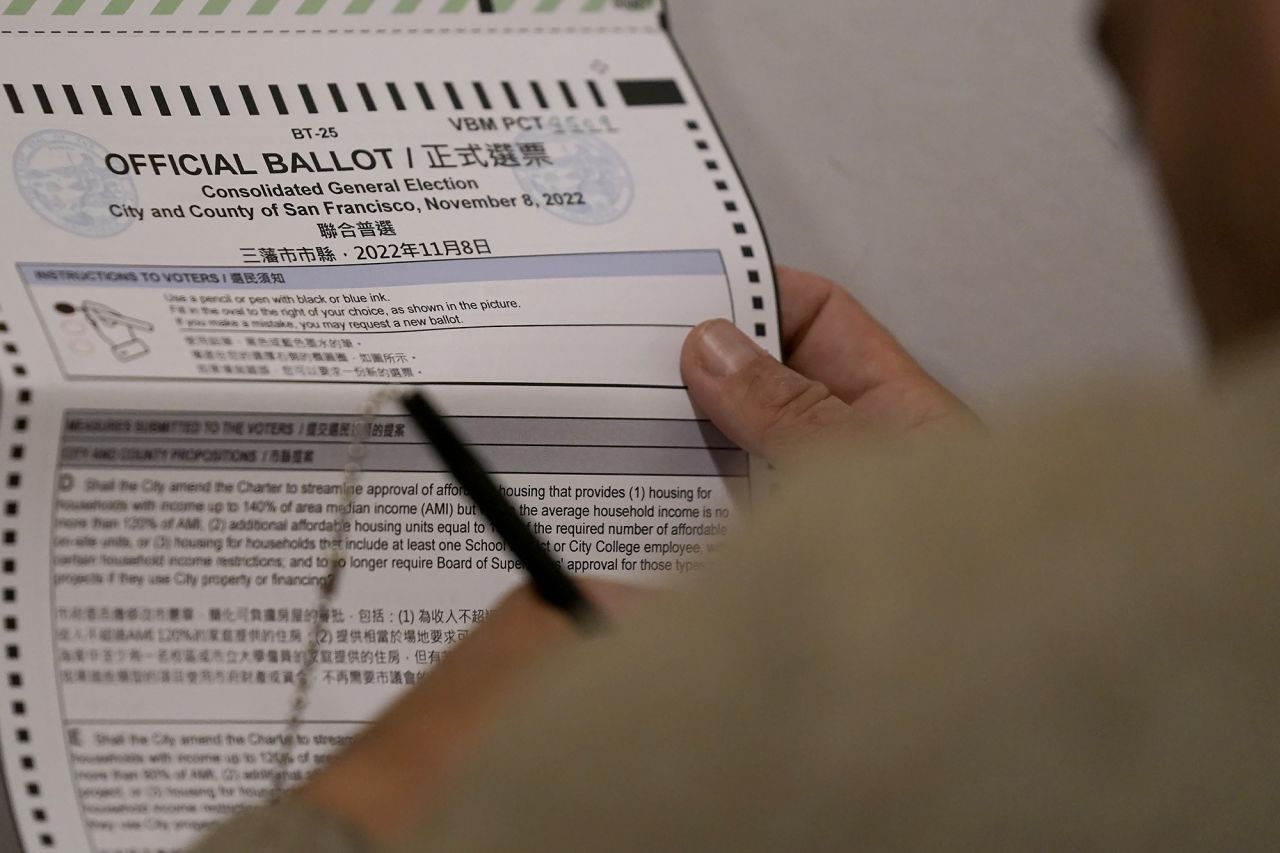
(549,580)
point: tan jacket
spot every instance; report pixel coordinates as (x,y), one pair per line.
(1063,639)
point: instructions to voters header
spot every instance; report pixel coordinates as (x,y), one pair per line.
(227,223)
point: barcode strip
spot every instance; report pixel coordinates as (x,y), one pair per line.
(426,98)
(635,93)
(278,98)
(12,94)
(568,95)
(338,101)
(43,98)
(162,104)
(219,101)
(650,93)
(453,96)
(394,92)
(595,94)
(309,102)
(249,103)
(511,95)
(103,104)
(190,98)
(72,100)
(131,100)
(537,93)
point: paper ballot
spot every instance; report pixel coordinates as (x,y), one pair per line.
(226,223)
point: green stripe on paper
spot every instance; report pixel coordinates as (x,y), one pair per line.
(595,5)
(68,7)
(406,7)
(263,7)
(310,7)
(166,7)
(19,7)
(117,7)
(547,6)
(215,7)
(358,7)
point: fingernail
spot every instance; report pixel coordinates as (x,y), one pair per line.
(724,350)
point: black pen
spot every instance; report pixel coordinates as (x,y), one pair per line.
(551,582)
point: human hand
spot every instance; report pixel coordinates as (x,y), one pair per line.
(404,765)
(844,372)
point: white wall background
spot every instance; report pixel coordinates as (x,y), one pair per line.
(962,166)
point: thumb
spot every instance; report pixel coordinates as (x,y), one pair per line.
(753,398)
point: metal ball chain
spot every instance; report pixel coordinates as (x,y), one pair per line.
(351,473)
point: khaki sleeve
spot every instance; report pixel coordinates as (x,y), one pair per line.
(1066,639)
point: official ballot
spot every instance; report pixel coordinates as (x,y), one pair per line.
(226,223)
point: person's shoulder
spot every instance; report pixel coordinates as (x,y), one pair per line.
(1085,508)
(1119,464)
(1057,635)
(1052,619)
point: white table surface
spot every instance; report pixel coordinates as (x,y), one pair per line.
(962,166)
